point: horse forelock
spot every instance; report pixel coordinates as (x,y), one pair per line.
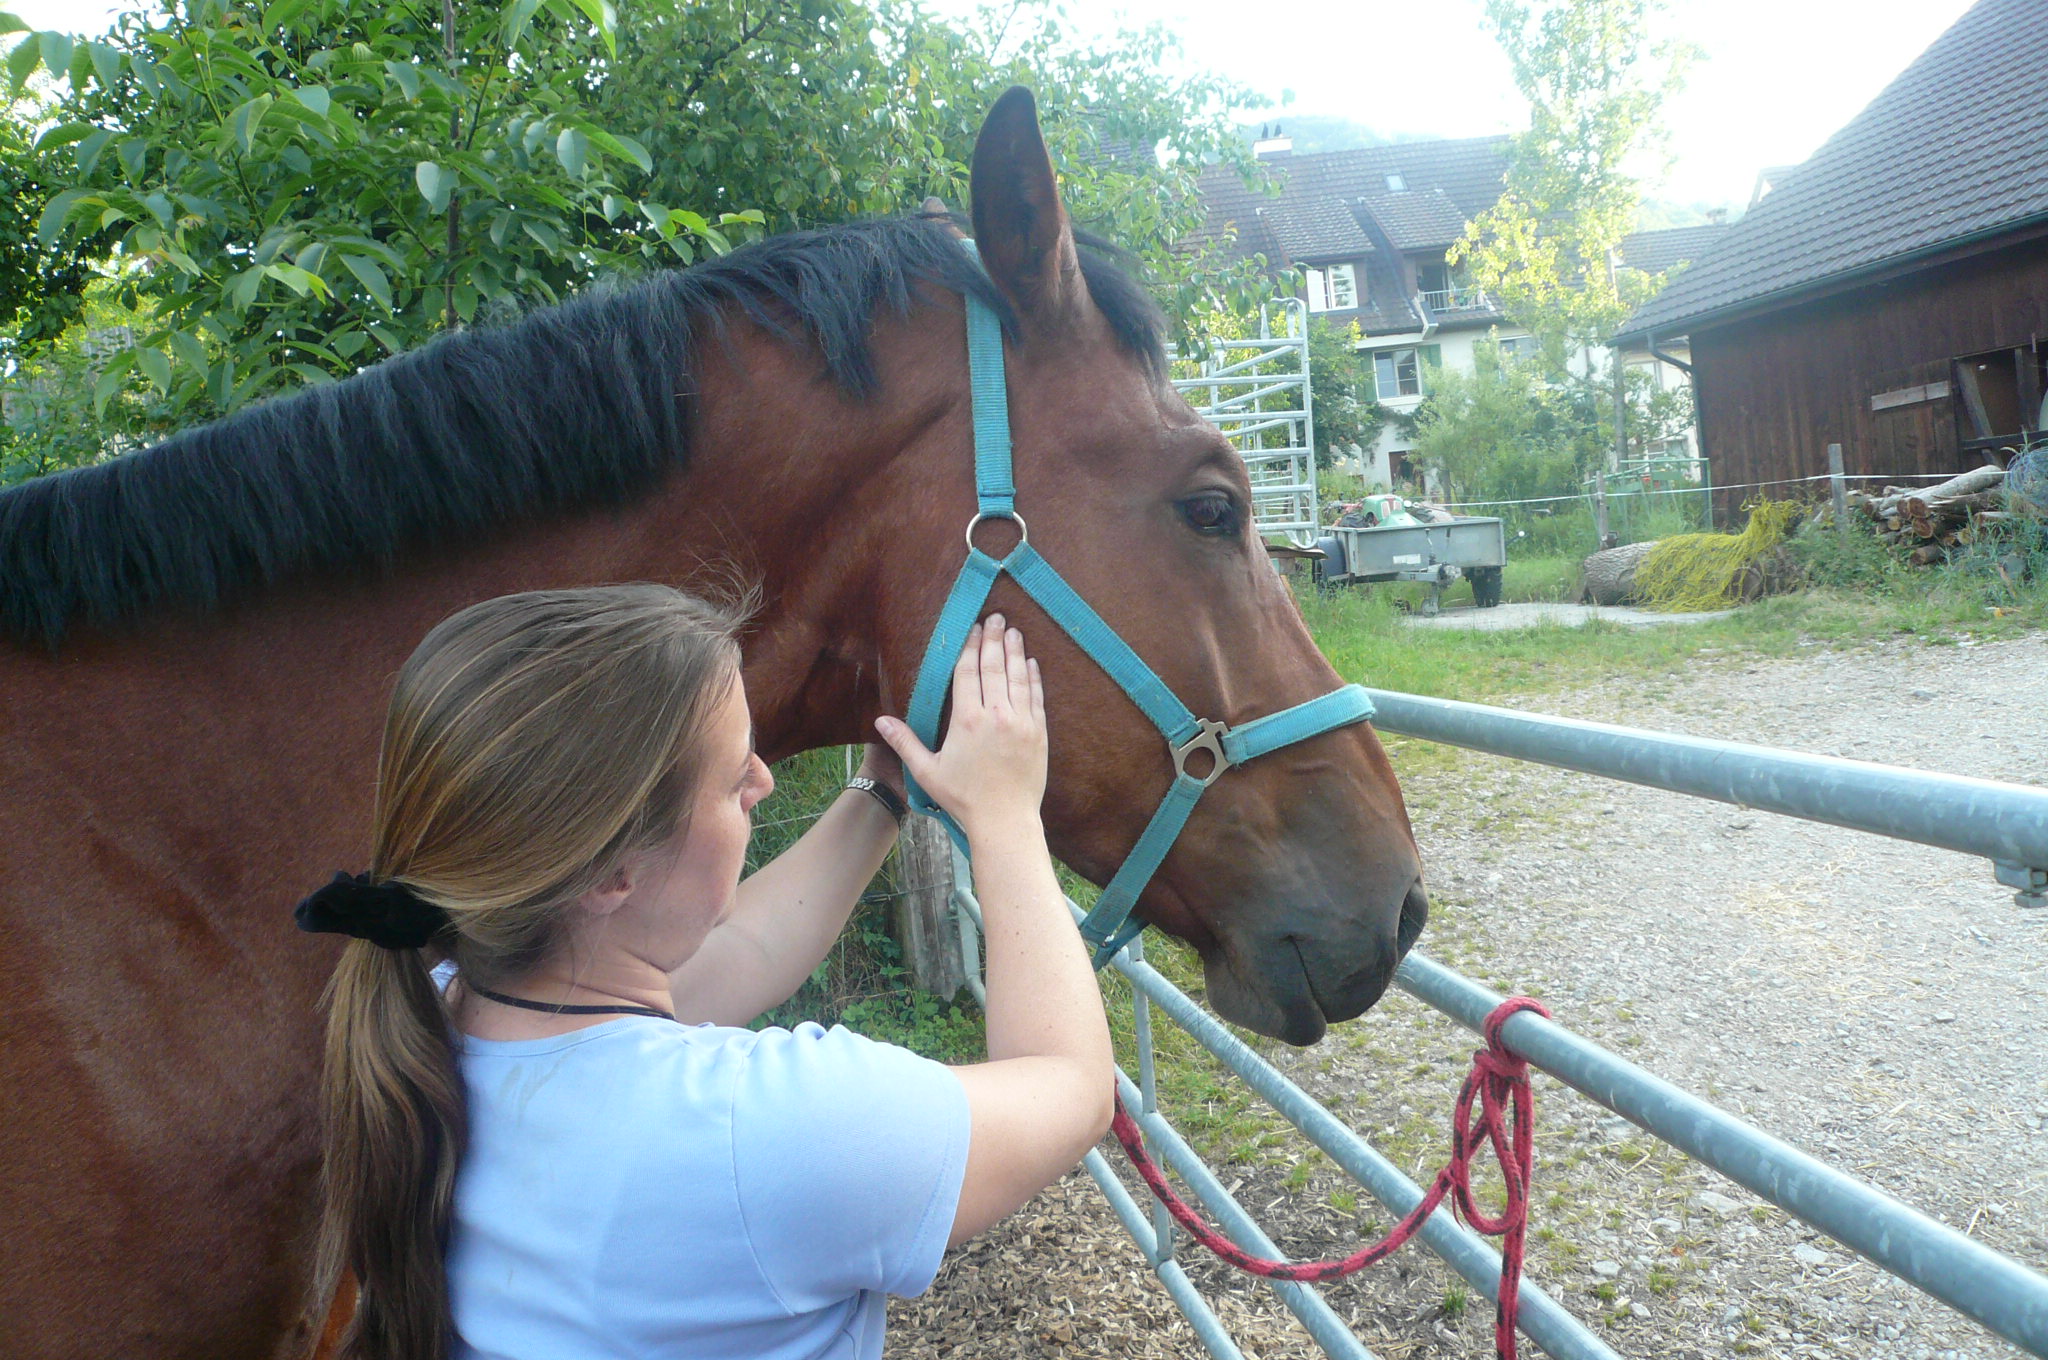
(576,406)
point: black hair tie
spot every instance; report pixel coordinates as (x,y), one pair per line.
(387,914)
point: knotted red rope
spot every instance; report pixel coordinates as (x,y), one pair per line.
(1499,1085)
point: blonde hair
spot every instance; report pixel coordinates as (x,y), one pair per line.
(532,742)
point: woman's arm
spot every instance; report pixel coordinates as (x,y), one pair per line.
(1043,1098)
(787,915)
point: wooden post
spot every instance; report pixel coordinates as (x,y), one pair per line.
(923,917)
(1839,485)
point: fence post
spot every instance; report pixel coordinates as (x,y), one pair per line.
(1839,485)
(922,917)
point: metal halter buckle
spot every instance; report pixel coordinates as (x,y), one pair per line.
(1023,530)
(1209,739)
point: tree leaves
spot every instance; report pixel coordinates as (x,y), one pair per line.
(324,186)
(435,184)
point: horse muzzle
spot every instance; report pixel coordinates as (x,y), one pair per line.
(1291,983)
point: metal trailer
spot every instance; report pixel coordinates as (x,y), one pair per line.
(1436,554)
(2006,823)
(1257,392)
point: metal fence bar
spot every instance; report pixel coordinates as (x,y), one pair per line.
(1309,1308)
(1544,1320)
(2002,822)
(1970,1277)
(1209,1329)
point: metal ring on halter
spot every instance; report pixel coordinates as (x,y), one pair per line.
(1209,739)
(1023,531)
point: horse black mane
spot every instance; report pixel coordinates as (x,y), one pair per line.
(580,405)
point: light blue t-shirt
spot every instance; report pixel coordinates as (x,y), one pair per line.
(651,1190)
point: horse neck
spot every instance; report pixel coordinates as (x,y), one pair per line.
(830,507)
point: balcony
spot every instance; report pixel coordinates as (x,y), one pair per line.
(1447,301)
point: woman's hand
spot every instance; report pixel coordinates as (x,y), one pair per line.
(990,770)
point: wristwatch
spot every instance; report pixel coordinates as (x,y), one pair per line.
(882,794)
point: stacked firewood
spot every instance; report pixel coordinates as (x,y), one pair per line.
(1931,522)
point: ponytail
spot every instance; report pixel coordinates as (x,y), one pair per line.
(393,1106)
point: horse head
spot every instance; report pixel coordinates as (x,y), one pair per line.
(1297,878)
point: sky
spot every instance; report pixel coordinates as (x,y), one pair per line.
(1778,76)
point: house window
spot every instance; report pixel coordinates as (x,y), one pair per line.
(1518,347)
(1334,289)
(1395,184)
(1399,372)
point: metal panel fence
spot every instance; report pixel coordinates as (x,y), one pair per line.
(1256,391)
(2004,822)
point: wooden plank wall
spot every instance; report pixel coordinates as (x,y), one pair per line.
(1775,390)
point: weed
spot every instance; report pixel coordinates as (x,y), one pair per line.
(1344,1201)
(1457,1298)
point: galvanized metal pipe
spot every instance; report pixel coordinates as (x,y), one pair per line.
(1209,1329)
(1308,1307)
(1970,1277)
(1543,1319)
(2006,822)
(1311,1309)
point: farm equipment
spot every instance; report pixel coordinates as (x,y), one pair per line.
(1384,538)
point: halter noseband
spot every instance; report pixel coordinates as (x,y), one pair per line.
(1109,926)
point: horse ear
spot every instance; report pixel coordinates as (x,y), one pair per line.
(1020,225)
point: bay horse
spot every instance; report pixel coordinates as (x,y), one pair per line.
(199,641)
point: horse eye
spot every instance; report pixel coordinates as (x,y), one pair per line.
(1211,513)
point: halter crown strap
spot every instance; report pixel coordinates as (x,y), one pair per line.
(1202,750)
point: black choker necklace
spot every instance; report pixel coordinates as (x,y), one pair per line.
(563,1008)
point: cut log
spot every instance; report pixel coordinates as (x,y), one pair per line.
(1930,506)
(1609,576)
(1963,483)
(1927,555)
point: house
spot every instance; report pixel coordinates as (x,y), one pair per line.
(1369,228)
(1890,295)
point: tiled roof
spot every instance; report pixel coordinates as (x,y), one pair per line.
(1417,219)
(1466,172)
(1956,146)
(1331,204)
(1658,252)
(1315,229)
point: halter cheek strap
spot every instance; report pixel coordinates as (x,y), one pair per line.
(1211,746)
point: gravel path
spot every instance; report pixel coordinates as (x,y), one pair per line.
(1882,1006)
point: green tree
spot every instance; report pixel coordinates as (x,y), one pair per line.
(835,109)
(1499,431)
(42,284)
(295,189)
(308,184)
(1342,390)
(1595,80)
(1505,431)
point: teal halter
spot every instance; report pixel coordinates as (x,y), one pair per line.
(1109,926)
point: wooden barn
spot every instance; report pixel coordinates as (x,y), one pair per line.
(1890,294)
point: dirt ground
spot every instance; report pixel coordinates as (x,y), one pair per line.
(1879,1005)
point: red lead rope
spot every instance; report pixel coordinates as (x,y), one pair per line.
(1499,1085)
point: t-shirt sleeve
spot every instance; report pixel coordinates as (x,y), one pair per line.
(848,1157)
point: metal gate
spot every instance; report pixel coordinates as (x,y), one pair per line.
(1257,392)
(2005,823)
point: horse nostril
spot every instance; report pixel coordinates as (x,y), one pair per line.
(1414,911)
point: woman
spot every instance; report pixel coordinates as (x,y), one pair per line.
(542,1163)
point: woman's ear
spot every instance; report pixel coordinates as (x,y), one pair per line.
(611,894)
